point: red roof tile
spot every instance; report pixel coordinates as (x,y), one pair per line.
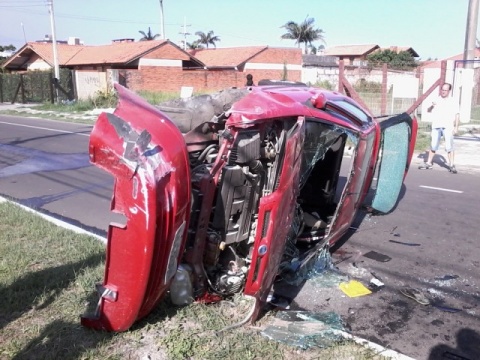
(116,53)
(68,55)
(44,50)
(227,57)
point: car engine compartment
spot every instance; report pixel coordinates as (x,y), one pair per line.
(226,193)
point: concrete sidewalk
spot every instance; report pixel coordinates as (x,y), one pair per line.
(467,152)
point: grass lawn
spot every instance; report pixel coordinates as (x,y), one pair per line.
(47,276)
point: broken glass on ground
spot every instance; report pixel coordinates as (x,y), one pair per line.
(305,329)
(319,269)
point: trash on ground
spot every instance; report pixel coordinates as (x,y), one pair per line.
(393,232)
(377,256)
(354,288)
(375,285)
(305,329)
(404,243)
(415,294)
(279,301)
(447,277)
(445,308)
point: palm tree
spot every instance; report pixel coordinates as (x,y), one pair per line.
(148,36)
(303,33)
(207,39)
(194,45)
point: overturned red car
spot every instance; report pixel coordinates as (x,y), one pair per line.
(221,191)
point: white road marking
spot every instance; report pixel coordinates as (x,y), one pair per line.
(441,189)
(56,221)
(43,128)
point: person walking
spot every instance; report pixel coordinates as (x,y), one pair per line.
(445,119)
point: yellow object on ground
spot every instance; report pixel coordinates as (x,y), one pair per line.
(354,288)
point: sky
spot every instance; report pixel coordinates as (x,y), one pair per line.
(435,29)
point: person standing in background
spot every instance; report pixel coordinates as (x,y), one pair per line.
(445,119)
(249,80)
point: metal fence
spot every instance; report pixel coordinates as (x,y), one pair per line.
(36,87)
(382,101)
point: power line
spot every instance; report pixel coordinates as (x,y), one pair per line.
(91,18)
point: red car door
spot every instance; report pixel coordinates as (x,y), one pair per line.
(274,219)
(146,154)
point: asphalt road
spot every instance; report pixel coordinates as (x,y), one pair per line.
(44,165)
(430,242)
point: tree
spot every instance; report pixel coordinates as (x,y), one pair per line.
(148,36)
(303,33)
(207,39)
(194,45)
(402,60)
(6,48)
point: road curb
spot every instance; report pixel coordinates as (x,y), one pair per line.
(63,224)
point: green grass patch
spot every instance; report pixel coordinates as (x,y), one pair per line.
(155,98)
(475,114)
(77,106)
(47,276)
(423,141)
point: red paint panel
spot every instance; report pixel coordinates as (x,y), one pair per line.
(147,156)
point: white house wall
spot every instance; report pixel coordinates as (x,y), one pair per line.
(38,64)
(160,62)
(88,83)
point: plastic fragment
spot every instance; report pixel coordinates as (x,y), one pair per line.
(354,288)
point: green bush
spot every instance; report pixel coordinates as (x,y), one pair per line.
(324,84)
(105,99)
(363,85)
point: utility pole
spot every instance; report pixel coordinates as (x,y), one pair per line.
(24,36)
(185,33)
(54,40)
(162,21)
(471,34)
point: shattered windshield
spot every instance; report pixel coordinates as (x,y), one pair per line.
(319,138)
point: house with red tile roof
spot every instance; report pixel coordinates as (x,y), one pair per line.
(356,55)
(353,54)
(161,65)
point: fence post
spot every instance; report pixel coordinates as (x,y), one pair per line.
(17,90)
(74,85)
(22,82)
(1,88)
(52,94)
(383,106)
(341,74)
(439,82)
